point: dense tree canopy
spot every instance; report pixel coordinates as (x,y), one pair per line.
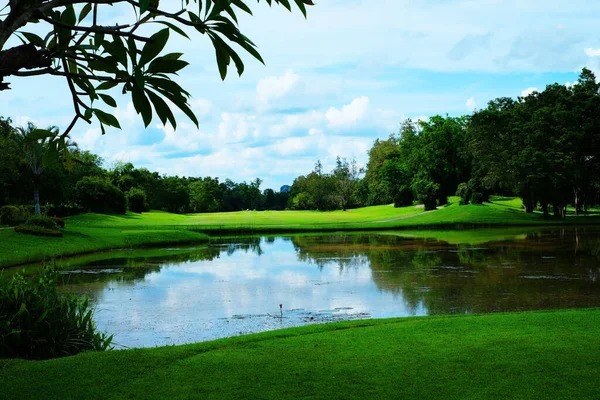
(543,148)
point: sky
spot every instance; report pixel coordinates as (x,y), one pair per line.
(333,83)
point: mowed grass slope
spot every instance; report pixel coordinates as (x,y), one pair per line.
(94,232)
(18,248)
(540,355)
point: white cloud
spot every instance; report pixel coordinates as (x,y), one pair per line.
(590,52)
(471,104)
(529,91)
(274,87)
(201,107)
(349,114)
(237,127)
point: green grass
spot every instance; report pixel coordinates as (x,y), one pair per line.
(94,232)
(535,355)
(18,248)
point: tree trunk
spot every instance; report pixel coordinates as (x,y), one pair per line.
(36,198)
(576,201)
(545,209)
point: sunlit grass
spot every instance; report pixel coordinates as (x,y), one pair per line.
(94,232)
(535,355)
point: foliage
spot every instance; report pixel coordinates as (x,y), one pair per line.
(42,222)
(136,200)
(38,322)
(477,198)
(37,230)
(97,60)
(464,192)
(59,221)
(13,215)
(404,198)
(98,195)
(65,210)
(427,192)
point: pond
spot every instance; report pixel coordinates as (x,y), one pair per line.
(235,286)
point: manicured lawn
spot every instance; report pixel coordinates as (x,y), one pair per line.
(94,232)
(539,355)
(18,248)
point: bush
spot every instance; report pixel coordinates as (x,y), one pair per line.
(404,198)
(136,200)
(13,215)
(42,222)
(37,230)
(98,195)
(426,192)
(59,221)
(37,322)
(464,192)
(66,210)
(477,198)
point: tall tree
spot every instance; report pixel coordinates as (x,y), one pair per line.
(39,153)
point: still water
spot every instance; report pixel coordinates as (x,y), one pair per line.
(235,286)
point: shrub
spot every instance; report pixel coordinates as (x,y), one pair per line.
(477,198)
(37,230)
(404,198)
(136,200)
(13,215)
(426,192)
(464,192)
(37,322)
(65,210)
(98,195)
(42,222)
(59,221)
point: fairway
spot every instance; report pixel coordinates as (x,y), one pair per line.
(539,355)
(95,232)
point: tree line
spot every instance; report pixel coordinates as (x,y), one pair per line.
(543,148)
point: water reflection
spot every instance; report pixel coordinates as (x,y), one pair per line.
(235,286)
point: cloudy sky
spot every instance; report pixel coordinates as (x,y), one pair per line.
(335,82)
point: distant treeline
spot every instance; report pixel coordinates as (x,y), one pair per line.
(544,148)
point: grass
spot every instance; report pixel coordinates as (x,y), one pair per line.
(510,356)
(17,248)
(95,232)
(503,211)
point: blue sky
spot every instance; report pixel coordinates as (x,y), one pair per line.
(333,83)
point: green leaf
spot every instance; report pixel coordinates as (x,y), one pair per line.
(85,11)
(106,85)
(38,134)
(181,103)
(141,105)
(162,109)
(223,58)
(144,4)
(33,39)
(155,46)
(51,154)
(173,27)
(161,65)
(108,100)
(65,155)
(106,118)
(68,16)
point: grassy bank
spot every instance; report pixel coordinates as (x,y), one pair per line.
(18,248)
(522,355)
(94,232)
(501,212)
